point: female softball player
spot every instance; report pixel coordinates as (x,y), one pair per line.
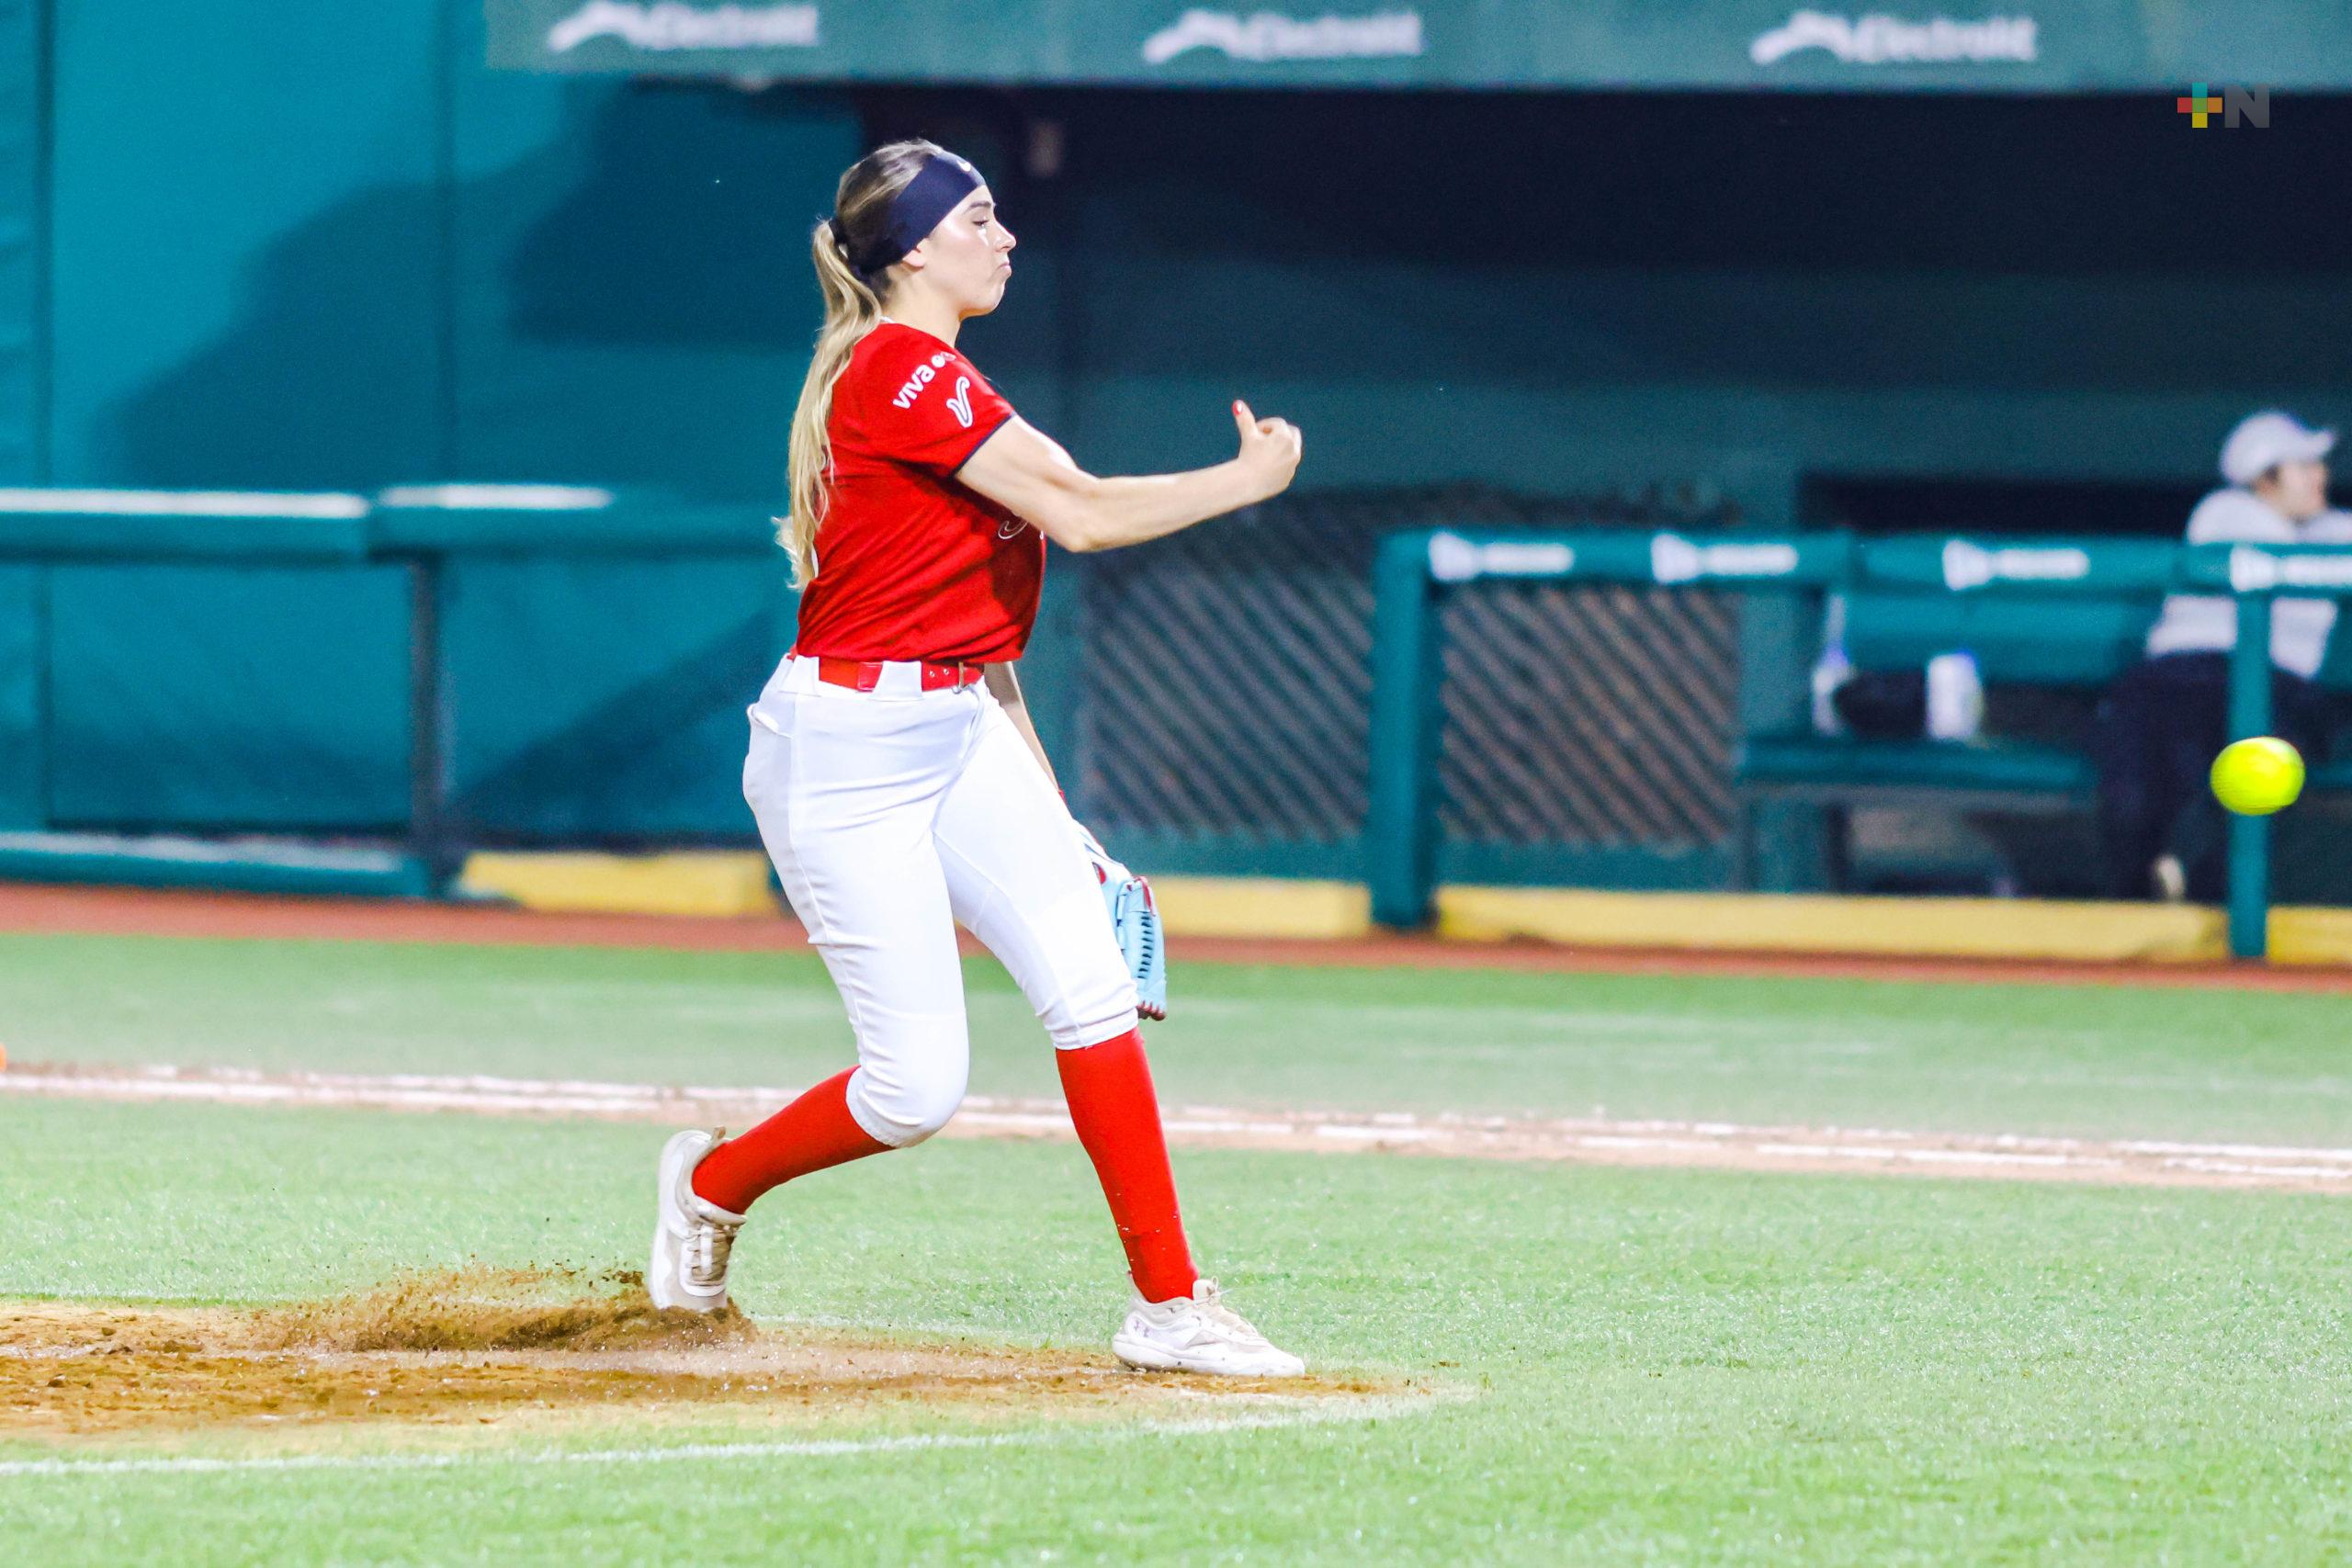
(898,784)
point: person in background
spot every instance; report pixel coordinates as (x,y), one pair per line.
(2161,725)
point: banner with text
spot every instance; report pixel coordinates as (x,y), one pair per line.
(1999,46)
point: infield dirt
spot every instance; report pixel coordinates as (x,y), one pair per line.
(536,1348)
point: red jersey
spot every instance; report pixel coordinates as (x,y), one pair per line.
(909,563)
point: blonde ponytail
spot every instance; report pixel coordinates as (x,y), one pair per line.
(853,303)
(850,310)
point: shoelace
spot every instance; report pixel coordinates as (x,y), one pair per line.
(707,1245)
(1211,1306)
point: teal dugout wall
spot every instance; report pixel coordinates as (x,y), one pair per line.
(23,62)
(275,674)
(299,245)
(596,691)
(388,260)
(305,246)
(23,68)
(243,243)
(23,762)
(603,698)
(630,302)
(259,696)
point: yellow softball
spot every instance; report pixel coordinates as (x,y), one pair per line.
(2256,777)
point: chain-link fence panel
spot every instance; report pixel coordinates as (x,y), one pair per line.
(1591,714)
(1226,678)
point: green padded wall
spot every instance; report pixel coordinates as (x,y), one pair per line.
(606,698)
(204,696)
(388,261)
(632,298)
(23,770)
(317,246)
(21,67)
(244,241)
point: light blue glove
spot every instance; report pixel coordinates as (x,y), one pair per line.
(1135,921)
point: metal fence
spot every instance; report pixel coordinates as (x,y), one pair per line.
(1588,715)
(1226,679)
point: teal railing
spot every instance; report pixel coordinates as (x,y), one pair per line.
(1415,570)
(417,597)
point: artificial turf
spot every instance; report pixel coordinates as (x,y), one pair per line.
(1666,1366)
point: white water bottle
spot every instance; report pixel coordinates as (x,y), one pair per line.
(1955,697)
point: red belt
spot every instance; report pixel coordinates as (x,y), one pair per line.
(864,675)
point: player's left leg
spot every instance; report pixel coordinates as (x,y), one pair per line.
(844,787)
(1017,880)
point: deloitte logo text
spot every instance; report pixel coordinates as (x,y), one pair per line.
(2259,571)
(1674,558)
(1968,565)
(1270,36)
(1453,559)
(1878,40)
(672,26)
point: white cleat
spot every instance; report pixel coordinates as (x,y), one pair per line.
(691,1237)
(1198,1333)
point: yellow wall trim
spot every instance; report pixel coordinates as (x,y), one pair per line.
(694,883)
(1262,906)
(737,883)
(1764,922)
(2310,936)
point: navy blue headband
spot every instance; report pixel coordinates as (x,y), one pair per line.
(938,189)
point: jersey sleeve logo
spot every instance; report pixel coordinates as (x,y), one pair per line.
(960,405)
(923,376)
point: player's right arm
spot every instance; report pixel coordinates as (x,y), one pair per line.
(1028,473)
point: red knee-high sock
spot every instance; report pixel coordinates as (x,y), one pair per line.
(1117,1116)
(813,1132)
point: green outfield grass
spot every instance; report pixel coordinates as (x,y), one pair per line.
(2071,1059)
(1643,1366)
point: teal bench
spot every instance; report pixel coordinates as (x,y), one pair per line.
(2069,616)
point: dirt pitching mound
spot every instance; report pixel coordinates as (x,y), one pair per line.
(484,1308)
(537,1348)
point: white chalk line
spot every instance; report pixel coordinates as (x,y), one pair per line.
(1330,1413)
(1660,1141)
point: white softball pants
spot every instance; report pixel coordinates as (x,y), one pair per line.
(895,815)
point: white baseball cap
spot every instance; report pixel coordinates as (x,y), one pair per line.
(2263,441)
